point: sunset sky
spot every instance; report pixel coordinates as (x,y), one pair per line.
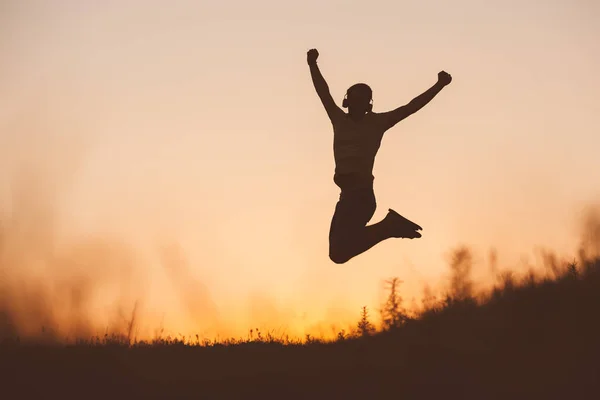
(178,154)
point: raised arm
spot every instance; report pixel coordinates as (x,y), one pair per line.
(391,118)
(321,85)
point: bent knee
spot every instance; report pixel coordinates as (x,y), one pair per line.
(338,259)
(338,255)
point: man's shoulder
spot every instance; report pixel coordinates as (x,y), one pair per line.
(371,120)
(379,120)
(337,115)
(377,116)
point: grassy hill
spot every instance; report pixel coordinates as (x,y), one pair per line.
(527,338)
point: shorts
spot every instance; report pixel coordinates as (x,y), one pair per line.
(353,212)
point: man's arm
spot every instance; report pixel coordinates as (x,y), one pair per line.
(393,117)
(321,85)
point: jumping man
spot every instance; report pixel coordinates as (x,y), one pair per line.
(356,140)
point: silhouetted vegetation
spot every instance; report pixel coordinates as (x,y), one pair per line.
(527,337)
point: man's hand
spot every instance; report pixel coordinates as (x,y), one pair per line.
(311,56)
(444,78)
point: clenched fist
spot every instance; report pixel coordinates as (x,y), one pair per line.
(311,56)
(444,78)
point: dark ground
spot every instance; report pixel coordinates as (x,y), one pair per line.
(526,340)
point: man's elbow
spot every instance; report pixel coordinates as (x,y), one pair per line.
(401,113)
(322,89)
(412,107)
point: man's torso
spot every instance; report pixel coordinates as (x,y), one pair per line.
(355,146)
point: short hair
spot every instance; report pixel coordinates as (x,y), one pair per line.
(360,86)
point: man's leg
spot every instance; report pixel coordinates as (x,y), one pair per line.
(382,230)
(349,236)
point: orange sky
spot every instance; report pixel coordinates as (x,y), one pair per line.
(192,131)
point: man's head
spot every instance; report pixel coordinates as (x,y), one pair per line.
(358,99)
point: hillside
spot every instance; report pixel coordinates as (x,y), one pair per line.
(529,338)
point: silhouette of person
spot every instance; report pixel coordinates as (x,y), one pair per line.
(356,140)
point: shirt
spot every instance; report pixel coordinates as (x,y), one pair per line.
(355,145)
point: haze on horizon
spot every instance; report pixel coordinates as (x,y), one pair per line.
(177,157)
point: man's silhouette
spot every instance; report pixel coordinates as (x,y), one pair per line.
(356,140)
